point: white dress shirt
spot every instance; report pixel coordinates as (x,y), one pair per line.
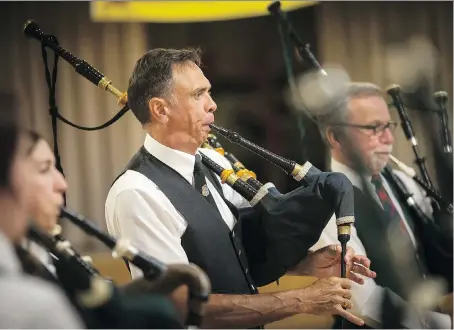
(367,298)
(136,209)
(27,302)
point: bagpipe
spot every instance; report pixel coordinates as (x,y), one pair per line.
(79,278)
(435,233)
(291,217)
(91,290)
(425,181)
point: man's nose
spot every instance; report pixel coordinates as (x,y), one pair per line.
(212,106)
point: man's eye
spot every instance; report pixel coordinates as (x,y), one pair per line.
(379,128)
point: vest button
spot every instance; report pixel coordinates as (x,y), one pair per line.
(253,287)
(246,270)
(239,252)
(233,233)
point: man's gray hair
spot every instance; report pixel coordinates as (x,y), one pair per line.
(337,109)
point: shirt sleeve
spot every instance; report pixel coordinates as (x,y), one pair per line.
(30,303)
(56,304)
(367,298)
(146,220)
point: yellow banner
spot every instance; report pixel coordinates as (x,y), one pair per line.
(183,11)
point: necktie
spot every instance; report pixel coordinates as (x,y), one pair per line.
(393,217)
(398,233)
(200,183)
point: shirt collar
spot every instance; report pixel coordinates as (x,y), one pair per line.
(355,179)
(9,261)
(181,162)
(350,173)
(40,253)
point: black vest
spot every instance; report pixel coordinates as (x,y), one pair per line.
(207,241)
(372,233)
(427,259)
(371,230)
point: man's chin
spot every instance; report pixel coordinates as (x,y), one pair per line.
(379,162)
(203,137)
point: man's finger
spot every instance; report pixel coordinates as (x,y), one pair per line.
(355,278)
(349,255)
(332,252)
(349,316)
(344,302)
(362,260)
(360,269)
(345,283)
(337,248)
(345,293)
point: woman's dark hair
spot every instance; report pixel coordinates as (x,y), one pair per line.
(32,138)
(9,137)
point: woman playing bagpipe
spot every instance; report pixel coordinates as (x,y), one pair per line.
(48,255)
(26,301)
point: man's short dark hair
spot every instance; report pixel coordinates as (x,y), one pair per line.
(152,77)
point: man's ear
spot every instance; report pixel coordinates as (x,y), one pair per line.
(159,110)
(333,138)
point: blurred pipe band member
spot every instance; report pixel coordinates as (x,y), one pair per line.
(358,122)
(126,308)
(26,301)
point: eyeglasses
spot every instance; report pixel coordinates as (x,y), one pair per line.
(377,129)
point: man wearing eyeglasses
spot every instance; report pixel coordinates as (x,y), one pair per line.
(358,129)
